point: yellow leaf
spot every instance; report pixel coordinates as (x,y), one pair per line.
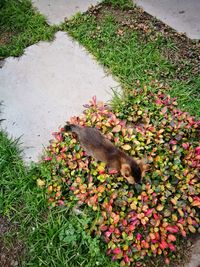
(125,247)
(133,206)
(192,229)
(160,207)
(174,201)
(94,208)
(139,112)
(181,213)
(101,168)
(190,199)
(130,131)
(143,221)
(116,129)
(40,183)
(145,208)
(174,217)
(126,147)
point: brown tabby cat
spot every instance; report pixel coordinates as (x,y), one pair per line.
(99,147)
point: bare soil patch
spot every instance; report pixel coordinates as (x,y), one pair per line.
(10,252)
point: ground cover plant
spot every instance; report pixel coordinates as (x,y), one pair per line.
(30,233)
(133,46)
(138,222)
(21,26)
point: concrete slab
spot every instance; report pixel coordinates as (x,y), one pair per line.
(57,10)
(45,87)
(182,15)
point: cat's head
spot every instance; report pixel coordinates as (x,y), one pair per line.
(133,170)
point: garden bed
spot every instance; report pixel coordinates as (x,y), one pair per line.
(149,219)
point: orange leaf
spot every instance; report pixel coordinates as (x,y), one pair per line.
(196,203)
(171,237)
(189,220)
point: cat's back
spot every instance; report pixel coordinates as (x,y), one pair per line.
(92,136)
(96,145)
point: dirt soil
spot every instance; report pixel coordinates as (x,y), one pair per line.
(183,52)
(5,38)
(11,253)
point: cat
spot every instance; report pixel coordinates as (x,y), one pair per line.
(99,147)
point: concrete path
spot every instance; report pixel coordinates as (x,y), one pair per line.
(57,11)
(182,15)
(45,87)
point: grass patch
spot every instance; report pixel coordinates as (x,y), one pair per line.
(49,237)
(21,26)
(124,4)
(131,46)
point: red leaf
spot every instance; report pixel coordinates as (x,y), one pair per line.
(138,236)
(185,145)
(172,229)
(48,158)
(158,101)
(61,202)
(171,246)
(93,101)
(173,142)
(167,261)
(124,222)
(108,233)
(103,228)
(148,212)
(156,217)
(183,233)
(197,150)
(113,171)
(163,244)
(117,251)
(126,259)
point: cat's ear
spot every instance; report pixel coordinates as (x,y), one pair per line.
(125,170)
(143,166)
(126,173)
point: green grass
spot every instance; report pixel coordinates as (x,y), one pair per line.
(51,237)
(21,26)
(130,58)
(124,4)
